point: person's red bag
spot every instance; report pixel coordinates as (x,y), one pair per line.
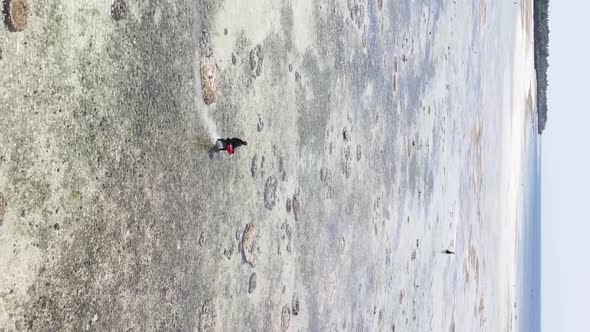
(230,149)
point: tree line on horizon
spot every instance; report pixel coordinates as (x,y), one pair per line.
(541,34)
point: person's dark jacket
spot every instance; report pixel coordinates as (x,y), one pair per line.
(235,142)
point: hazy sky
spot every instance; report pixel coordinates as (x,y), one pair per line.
(565,272)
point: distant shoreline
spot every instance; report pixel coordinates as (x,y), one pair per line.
(541,33)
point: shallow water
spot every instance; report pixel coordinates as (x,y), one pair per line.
(463,186)
(401,130)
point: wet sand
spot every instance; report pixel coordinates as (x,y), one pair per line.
(380,133)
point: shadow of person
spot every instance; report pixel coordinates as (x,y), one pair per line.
(212,151)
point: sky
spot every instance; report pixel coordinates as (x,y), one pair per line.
(565,240)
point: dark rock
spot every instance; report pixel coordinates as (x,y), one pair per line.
(290,67)
(229,252)
(119,10)
(225,31)
(345,134)
(252,283)
(254,166)
(297,206)
(207,317)
(295,305)
(282,170)
(270,192)
(358,152)
(288,205)
(260,124)
(234,59)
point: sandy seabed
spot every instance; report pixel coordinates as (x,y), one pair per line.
(380,133)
